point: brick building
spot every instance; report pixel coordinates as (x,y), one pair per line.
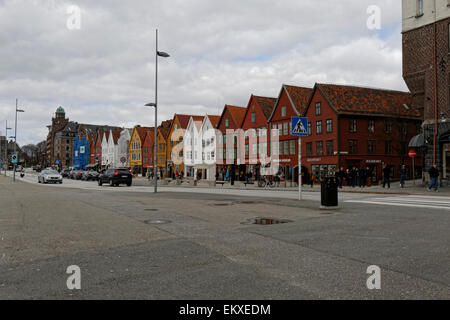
(358,127)
(426,71)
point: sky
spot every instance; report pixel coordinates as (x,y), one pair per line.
(100,65)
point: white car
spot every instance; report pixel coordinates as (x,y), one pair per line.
(50,176)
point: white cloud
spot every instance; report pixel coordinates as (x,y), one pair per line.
(221,52)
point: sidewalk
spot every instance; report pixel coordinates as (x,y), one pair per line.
(410,188)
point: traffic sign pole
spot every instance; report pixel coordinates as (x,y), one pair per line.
(299,168)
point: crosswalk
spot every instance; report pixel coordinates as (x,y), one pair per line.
(430,202)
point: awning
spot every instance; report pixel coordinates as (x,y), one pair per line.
(417,141)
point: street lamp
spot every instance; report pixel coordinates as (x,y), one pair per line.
(15,139)
(155,105)
(5,161)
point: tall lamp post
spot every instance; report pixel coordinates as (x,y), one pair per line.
(5,161)
(15,140)
(155,105)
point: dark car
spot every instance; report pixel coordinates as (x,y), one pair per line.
(65,173)
(115,177)
(90,175)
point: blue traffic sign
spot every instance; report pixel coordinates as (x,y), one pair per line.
(299,127)
(56,161)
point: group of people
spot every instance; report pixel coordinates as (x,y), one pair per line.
(353,177)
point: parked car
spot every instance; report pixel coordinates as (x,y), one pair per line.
(115,177)
(90,175)
(76,174)
(65,173)
(50,176)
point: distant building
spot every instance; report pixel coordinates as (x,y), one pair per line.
(62,135)
(426,71)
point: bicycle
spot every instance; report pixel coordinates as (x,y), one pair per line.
(264,183)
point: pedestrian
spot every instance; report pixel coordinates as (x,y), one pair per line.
(386,176)
(362,177)
(434,176)
(357,178)
(227,176)
(352,177)
(403,173)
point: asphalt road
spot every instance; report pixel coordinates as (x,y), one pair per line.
(206,252)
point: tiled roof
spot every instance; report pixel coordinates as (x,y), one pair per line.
(166,124)
(300,96)
(198,120)
(150,137)
(116,135)
(238,114)
(361,100)
(266,104)
(142,131)
(184,120)
(214,120)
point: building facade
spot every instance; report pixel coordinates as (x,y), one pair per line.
(356,127)
(426,71)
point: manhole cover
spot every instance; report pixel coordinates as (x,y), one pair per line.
(150,209)
(266,221)
(157,221)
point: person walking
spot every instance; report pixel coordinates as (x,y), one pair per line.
(386,176)
(434,175)
(362,177)
(403,173)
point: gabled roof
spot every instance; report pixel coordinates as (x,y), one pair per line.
(150,137)
(198,120)
(237,113)
(266,104)
(183,119)
(214,120)
(116,135)
(142,131)
(369,101)
(299,96)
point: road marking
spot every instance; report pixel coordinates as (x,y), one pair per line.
(429,202)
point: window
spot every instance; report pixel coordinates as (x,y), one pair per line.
(280,129)
(286,128)
(286,147)
(329,126)
(309,128)
(353,126)
(254,149)
(283,111)
(318,109)
(319,127)
(319,148)
(253,117)
(292,147)
(403,148)
(388,126)
(371,147)
(330,148)
(352,146)
(404,129)
(274,130)
(309,151)
(371,126)
(419,8)
(388,147)
(281,148)
(227,123)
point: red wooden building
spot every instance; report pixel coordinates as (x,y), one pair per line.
(255,126)
(292,102)
(359,127)
(148,148)
(227,147)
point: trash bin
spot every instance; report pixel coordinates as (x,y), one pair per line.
(329,193)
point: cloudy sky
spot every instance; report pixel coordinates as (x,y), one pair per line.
(221,52)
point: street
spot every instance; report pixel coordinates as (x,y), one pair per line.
(203,246)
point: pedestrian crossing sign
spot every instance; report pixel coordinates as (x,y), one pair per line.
(14,158)
(299,127)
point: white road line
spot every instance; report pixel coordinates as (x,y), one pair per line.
(398,204)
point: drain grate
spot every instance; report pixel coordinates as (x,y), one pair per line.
(157,221)
(266,221)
